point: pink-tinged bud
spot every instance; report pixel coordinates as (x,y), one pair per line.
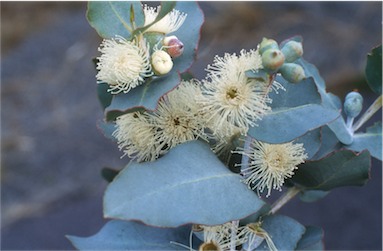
(173,46)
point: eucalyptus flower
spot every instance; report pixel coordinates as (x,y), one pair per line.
(171,22)
(162,62)
(254,235)
(220,237)
(136,137)
(270,164)
(123,64)
(178,117)
(230,96)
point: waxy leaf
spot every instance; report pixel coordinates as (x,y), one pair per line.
(329,100)
(295,111)
(312,239)
(371,140)
(187,185)
(311,142)
(113,18)
(145,96)
(129,235)
(312,195)
(284,231)
(107,128)
(374,69)
(329,143)
(343,168)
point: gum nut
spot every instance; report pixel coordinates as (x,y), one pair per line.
(175,48)
(292,72)
(272,59)
(292,51)
(162,62)
(267,44)
(353,104)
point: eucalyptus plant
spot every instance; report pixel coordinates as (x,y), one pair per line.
(203,155)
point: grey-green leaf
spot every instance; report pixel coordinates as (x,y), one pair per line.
(129,235)
(284,231)
(313,195)
(343,168)
(113,18)
(312,239)
(370,140)
(329,143)
(144,96)
(187,185)
(311,142)
(373,69)
(295,111)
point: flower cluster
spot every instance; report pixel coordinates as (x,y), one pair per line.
(125,64)
(230,235)
(177,119)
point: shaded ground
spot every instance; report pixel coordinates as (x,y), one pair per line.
(52,152)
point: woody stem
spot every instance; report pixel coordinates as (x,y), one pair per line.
(284,199)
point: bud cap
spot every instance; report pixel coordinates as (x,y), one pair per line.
(292,51)
(293,73)
(162,62)
(353,104)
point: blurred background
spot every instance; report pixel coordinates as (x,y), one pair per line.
(52,152)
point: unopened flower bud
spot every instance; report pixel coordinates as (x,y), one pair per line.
(292,51)
(353,104)
(272,59)
(162,62)
(267,44)
(173,46)
(293,73)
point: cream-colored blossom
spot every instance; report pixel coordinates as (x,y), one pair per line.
(230,96)
(136,137)
(220,237)
(171,22)
(270,164)
(178,117)
(235,99)
(231,64)
(254,235)
(123,64)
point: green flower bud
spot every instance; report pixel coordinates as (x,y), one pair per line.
(272,59)
(293,73)
(292,51)
(353,104)
(267,44)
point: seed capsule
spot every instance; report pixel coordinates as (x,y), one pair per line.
(293,73)
(353,104)
(162,62)
(173,46)
(267,44)
(272,59)
(292,51)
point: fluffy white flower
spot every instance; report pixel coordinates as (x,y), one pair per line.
(178,117)
(171,22)
(254,235)
(219,237)
(123,64)
(270,164)
(230,96)
(136,137)
(231,64)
